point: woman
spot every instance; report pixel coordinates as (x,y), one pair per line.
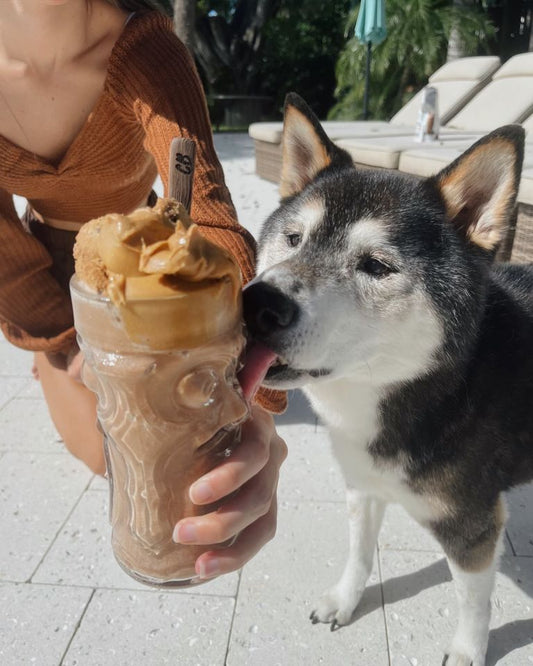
(90,97)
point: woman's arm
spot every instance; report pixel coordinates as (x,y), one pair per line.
(252,472)
(155,82)
(35,313)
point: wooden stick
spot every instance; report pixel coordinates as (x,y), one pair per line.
(181,170)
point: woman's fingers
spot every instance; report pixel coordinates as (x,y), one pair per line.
(246,461)
(252,501)
(248,544)
(250,477)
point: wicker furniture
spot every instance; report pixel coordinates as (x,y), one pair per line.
(522,251)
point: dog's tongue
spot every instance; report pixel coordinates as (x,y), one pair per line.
(256,364)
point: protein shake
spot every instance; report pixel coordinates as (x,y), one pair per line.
(158,311)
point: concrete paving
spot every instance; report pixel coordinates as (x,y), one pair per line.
(64,600)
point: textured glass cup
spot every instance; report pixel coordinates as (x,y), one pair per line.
(168,417)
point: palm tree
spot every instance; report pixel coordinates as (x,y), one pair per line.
(226,38)
(455,45)
(415,47)
(184,21)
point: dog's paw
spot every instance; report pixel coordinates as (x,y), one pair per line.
(458,659)
(336,608)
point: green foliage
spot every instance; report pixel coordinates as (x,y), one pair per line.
(296,49)
(416,43)
(302,43)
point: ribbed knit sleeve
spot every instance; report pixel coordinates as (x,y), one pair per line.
(35,313)
(154,80)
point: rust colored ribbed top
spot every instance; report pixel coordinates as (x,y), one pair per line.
(152,93)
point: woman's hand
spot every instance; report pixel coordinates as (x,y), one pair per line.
(251,513)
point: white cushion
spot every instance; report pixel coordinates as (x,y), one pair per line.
(452,96)
(425,162)
(518,65)
(272,132)
(336,129)
(370,130)
(269,132)
(476,68)
(386,153)
(371,154)
(502,101)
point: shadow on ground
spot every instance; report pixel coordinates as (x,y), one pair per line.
(502,640)
(298,410)
(233,146)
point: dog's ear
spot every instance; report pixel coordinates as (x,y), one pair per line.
(306,147)
(479,188)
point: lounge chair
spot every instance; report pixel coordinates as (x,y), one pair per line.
(518,247)
(457,82)
(508,98)
(386,152)
(426,161)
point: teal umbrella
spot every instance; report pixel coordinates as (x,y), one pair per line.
(370,29)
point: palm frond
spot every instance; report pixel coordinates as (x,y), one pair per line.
(418,33)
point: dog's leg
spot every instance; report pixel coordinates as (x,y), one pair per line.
(473,563)
(473,590)
(337,605)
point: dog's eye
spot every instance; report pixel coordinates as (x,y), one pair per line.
(375,267)
(293,240)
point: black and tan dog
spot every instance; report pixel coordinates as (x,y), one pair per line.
(378,295)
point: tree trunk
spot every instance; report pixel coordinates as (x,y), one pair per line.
(228,52)
(248,22)
(184,21)
(455,45)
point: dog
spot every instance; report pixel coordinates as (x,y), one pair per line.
(379,296)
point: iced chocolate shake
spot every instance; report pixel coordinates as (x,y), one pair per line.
(158,312)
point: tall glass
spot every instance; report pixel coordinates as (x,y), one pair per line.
(168,417)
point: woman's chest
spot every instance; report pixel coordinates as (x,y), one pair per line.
(44,117)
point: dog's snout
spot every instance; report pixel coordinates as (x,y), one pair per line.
(267,309)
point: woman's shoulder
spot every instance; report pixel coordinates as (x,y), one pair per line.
(147,20)
(147,51)
(146,31)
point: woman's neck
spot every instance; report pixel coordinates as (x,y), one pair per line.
(41,36)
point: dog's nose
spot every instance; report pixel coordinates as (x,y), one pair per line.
(267,309)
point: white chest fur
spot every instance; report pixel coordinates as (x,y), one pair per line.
(350,410)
